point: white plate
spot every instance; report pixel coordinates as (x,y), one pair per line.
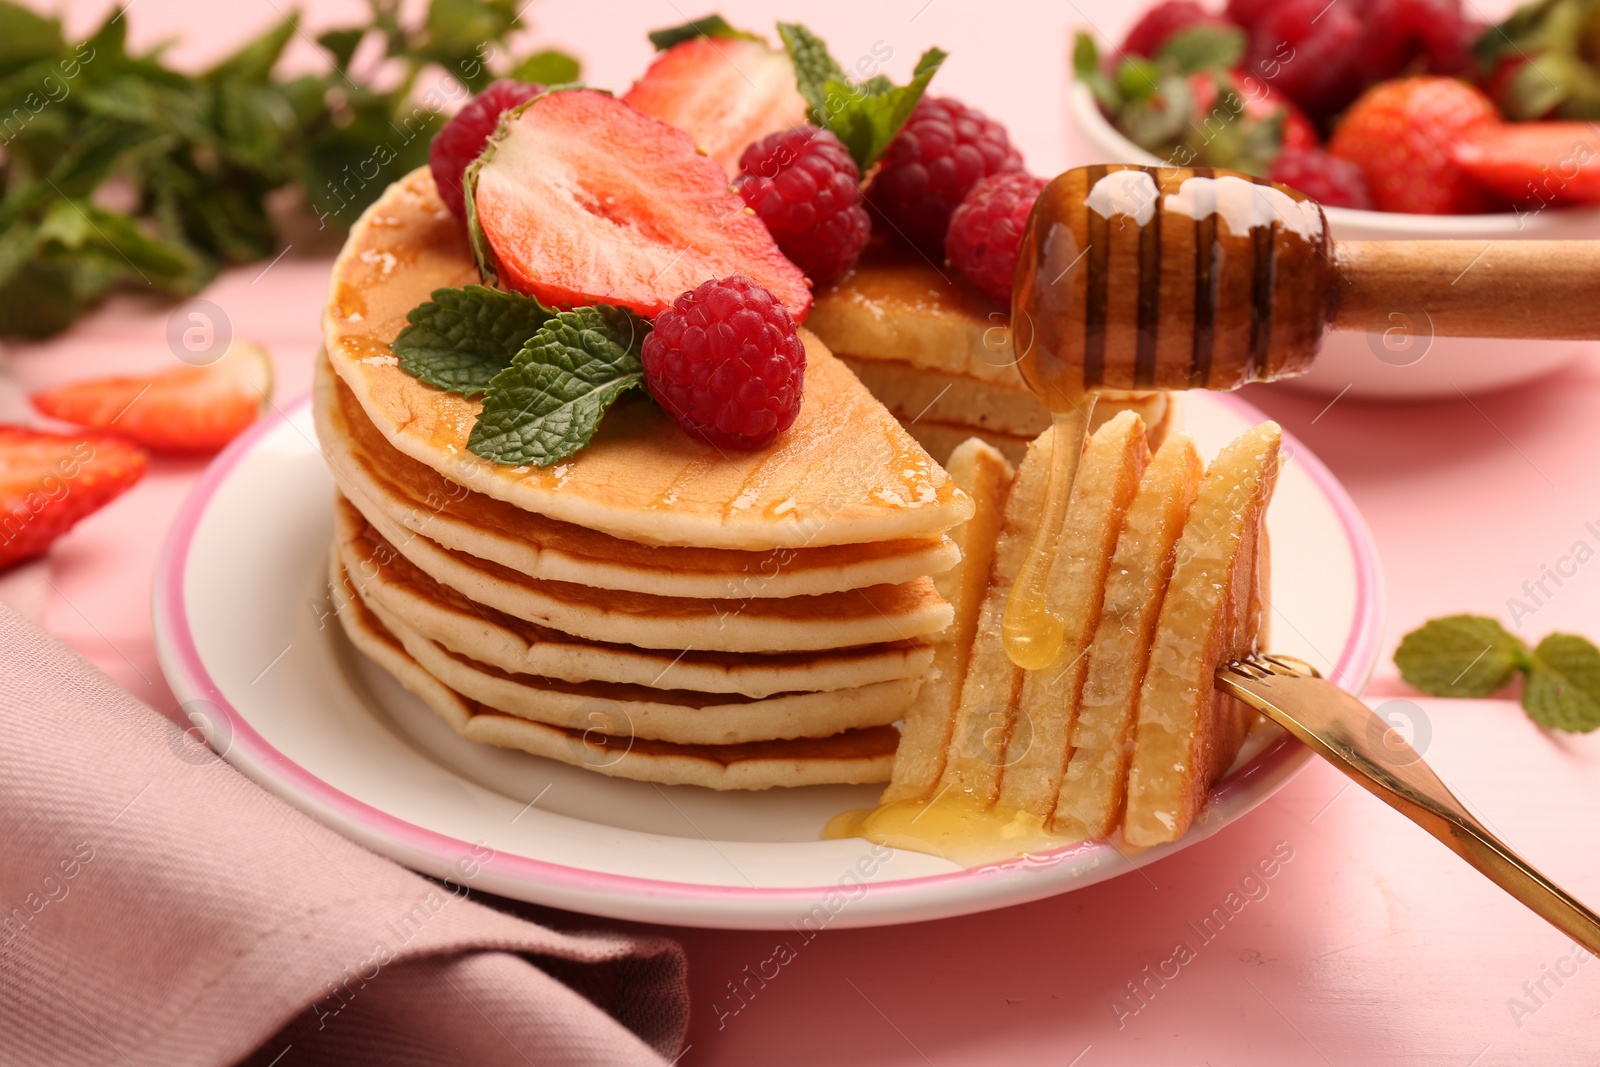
(246,641)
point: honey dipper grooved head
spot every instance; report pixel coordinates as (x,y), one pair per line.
(1136,277)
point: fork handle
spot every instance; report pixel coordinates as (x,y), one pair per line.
(1345,732)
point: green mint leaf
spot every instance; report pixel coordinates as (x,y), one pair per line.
(1086,68)
(455,30)
(1139,79)
(1207,46)
(705,26)
(873,112)
(1563,688)
(461,338)
(342,44)
(865,115)
(26,37)
(1460,656)
(547,68)
(549,402)
(814,67)
(254,62)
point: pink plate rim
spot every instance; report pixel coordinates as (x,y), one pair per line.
(186,671)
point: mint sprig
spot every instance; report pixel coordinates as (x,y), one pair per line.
(461,338)
(705,26)
(548,403)
(1473,656)
(864,115)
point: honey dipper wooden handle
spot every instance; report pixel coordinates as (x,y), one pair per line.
(1525,289)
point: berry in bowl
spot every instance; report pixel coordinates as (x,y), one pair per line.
(1406,119)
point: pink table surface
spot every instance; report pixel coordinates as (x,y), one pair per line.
(1370,945)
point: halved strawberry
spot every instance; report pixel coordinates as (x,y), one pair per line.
(48,481)
(582,199)
(1534,162)
(188,409)
(725,92)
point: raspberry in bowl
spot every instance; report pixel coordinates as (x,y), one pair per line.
(1412,141)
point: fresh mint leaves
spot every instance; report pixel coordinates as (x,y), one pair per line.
(705,26)
(864,115)
(196,157)
(461,338)
(1563,690)
(1473,656)
(548,403)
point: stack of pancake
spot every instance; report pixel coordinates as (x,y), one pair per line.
(649,608)
(938,353)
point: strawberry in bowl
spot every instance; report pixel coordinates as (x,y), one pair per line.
(1423,124)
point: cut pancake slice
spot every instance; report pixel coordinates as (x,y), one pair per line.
(796,624)
(844,473)
(377,478)
(1039,736)
(897,305)
(658,714)
(985,476)
(1188,731)
(1136,581)
(854,756)
(992,682)
(913,393)
(516,646)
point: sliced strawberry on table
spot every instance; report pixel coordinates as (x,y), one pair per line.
(1534,162)
(187,409)
(48,481)
(725,92)
(583,199)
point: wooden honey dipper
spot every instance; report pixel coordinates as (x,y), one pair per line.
(1138,277)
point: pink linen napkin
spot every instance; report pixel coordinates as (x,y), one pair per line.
(159,908)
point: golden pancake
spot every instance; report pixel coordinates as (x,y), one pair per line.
(659,714)
(912,394)
(844,473)
(372,474)
(794,624)
(897,305)
(490,636)
(1040,733)
(985,476)
(854,756)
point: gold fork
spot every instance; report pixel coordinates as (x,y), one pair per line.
(1343,731)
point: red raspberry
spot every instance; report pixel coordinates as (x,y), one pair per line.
(456,145)
(943,150)
(1164,20)
(1329,180)
(807,189)
(727,363)
(1307,49)
(1398,31)
(1246,13)
(986,231)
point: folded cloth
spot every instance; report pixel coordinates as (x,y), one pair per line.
(159,908)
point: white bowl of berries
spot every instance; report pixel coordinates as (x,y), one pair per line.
(1405,118)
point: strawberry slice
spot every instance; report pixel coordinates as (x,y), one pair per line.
(725,92)
(1534,162)
(581,199)
(189,409)
(48,481)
